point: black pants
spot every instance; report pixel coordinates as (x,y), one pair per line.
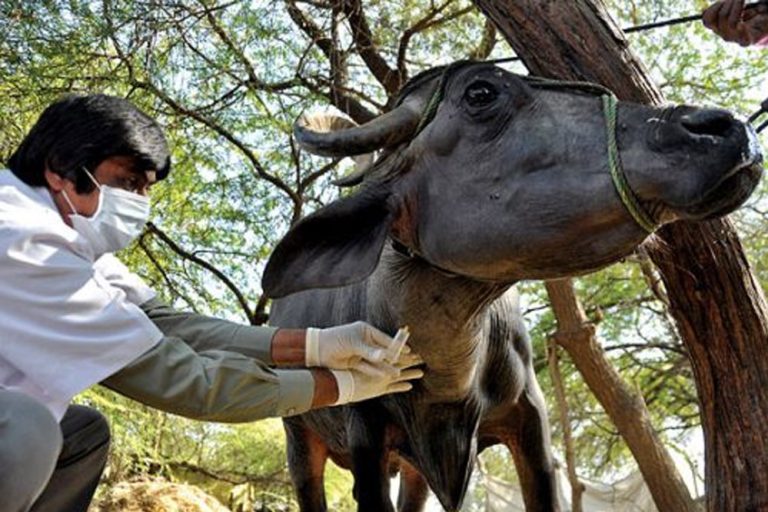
(80,464)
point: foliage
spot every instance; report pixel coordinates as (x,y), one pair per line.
(226,79)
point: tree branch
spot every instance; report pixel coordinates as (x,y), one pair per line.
(249,313)
(248,153)
(168,281)
(423,24)
(336,91)
(389,78)
(487,43)
(312,31)
(231,477)
(577,488)
(341,100)
(253,82)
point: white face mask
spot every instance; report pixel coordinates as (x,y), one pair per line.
(118,220)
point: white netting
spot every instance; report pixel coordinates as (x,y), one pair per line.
(627,495)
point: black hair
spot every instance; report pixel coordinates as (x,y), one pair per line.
(81,131)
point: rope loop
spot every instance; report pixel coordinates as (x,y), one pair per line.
(620,183)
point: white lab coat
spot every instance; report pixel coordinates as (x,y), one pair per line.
(66,322)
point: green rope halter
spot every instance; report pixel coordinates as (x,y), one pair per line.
(630,200)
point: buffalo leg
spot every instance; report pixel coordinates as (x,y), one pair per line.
(531,447)
(413,489)
(369,460)
(307,455)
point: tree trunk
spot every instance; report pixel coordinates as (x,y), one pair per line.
(720,311)
(625,407)
(716,301)
(577,488)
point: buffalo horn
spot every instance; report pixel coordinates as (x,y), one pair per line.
(326,123)
(386,130)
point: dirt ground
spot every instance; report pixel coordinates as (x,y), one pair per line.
(156,496)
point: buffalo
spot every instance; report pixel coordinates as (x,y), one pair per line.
(483,178)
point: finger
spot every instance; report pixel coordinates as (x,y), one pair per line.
(399,387)
(709,17)
(409,374)
(722,26)
(404,351)
(375,337)
(376,370)
(404,360)
(368,353)
(730,20)
(408,360)
(734,16)
(721,19)
(404,365)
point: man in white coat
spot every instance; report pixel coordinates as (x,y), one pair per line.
(72,315)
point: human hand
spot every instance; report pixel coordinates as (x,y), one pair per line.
(356,386)
(732,22)
(358,346)
(756,22)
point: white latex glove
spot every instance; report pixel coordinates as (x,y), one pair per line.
(356,386)
(356,346)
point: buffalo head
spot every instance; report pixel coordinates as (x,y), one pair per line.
(500,177)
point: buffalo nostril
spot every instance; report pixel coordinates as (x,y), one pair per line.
(712,122)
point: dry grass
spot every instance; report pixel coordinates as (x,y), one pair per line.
(156,496)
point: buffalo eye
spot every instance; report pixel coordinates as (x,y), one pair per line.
(480,93)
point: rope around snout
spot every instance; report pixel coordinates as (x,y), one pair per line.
(620,183)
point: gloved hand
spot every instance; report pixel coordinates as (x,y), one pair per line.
(357,346)
(356,386)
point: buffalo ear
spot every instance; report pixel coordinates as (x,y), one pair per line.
(335,246)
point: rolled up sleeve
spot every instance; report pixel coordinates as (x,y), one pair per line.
(212,385)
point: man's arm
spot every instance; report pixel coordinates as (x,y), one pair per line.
(357,345)
(221,345)
(207,333)
(218,385)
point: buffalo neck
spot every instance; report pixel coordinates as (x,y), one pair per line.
(445,314)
